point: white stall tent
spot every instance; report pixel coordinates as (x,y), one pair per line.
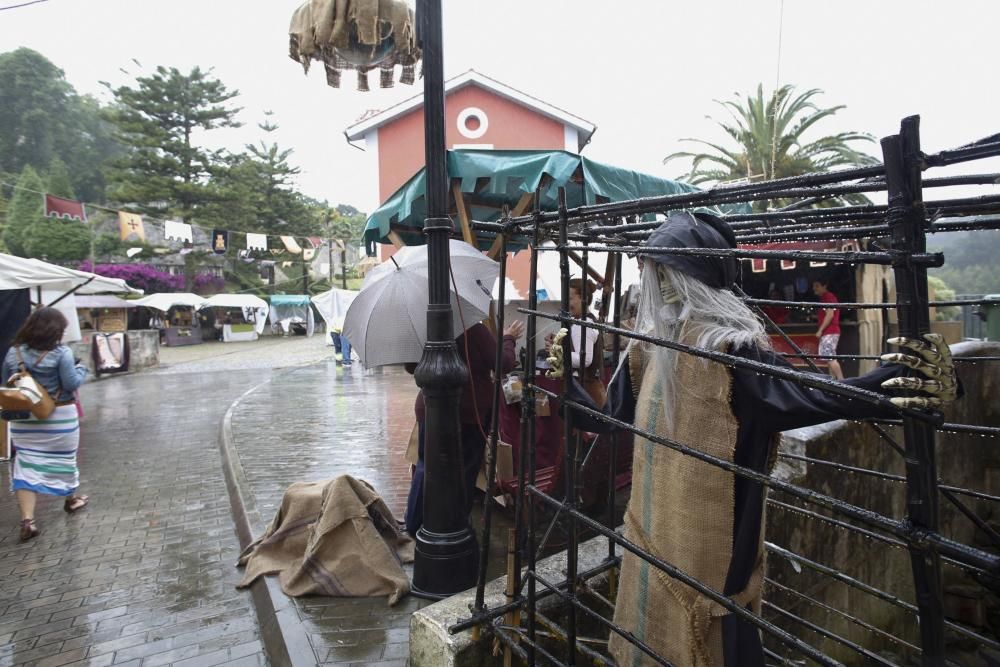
(54,285)
(289,309)
(167,300)
(21,272)
(254,308)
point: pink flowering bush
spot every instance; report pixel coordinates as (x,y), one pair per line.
(208,284)
(142,276)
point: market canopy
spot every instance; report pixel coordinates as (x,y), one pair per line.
(254,308)
(484,181)
(167,300)
(288,309)
(22,272)
(103,301)
(289,299)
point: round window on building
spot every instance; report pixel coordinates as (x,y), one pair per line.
(472,123)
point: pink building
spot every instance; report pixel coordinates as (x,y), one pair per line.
(481,113)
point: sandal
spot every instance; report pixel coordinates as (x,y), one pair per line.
(28,529)
(75,503)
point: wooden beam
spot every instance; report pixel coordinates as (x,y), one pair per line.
(591,271)
(396,239)
(522,204)
(463,212)
(494,250)
(519,208)
(611,270)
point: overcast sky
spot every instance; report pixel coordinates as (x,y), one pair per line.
(645,72)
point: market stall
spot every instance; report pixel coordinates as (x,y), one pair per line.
(862,331)
(250,309)
(292,314)
(103,312)
(174,316)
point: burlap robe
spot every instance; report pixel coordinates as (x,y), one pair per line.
(681,510)
(334,538)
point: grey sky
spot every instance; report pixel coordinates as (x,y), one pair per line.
(645,72)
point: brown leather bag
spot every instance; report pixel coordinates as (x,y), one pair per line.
(25,394)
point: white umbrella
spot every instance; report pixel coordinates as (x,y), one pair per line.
(387,321)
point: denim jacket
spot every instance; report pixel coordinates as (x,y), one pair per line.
(57,372)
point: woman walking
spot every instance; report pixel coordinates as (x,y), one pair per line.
(45,449)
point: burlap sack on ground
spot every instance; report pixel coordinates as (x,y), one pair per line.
(334,538)
(681,510)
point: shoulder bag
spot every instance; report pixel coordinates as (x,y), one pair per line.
(24,394)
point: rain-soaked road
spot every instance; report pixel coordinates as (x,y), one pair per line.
(145,575)
(313,423)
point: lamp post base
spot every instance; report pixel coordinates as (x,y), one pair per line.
(444,564)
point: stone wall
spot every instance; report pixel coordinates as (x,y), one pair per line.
(144,349)
(967,461)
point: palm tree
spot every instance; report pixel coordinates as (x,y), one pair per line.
(768,135)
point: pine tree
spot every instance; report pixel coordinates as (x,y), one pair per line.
(58,180)
(29,233)
(166,173)
(256,191)
(25,210)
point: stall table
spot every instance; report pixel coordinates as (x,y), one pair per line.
(235,333)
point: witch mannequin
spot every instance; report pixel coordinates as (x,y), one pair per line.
(707,521)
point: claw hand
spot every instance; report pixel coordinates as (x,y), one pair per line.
(933,361)
(556,360)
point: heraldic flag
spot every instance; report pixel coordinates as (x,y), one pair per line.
(130,224)
(220,241)
(57,207)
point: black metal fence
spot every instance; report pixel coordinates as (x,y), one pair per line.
(568,622)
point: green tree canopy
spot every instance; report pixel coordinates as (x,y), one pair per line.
(256,192)
(165,172)
(42,118)
(29,233)
(770,142)
(970,264)
(58,181)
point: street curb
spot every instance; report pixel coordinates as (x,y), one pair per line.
(283,634)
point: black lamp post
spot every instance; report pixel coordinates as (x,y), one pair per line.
(446,554)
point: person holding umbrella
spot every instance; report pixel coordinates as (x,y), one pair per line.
(387,324)
(477,346)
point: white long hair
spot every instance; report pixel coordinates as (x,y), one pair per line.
(706,317)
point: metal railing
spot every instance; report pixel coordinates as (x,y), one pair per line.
(795,622)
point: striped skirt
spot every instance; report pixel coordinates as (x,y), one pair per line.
(45,453)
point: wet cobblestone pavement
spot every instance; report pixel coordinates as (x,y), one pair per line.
(144,575)
(315,423)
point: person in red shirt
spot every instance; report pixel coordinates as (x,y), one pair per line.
(829,328)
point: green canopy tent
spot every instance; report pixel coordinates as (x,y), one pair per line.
(485,181)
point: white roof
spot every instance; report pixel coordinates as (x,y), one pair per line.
(102,301)
(21,272)
(585,128)
(167,300)
(234,301)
